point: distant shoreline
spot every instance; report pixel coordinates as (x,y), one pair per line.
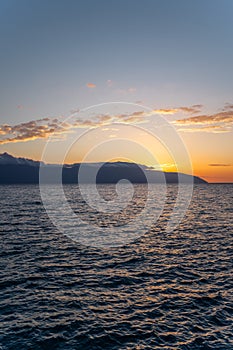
(15,170)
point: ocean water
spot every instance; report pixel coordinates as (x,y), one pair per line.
(165,290)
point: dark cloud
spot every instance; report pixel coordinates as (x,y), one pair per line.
(220,164)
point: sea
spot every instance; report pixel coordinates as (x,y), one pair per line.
(165,289)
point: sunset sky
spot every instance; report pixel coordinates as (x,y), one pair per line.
(158,58)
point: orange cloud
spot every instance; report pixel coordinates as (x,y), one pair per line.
(46,127)
(32,130)
(223,117)
(217,122)
(190,110)
(91,85)
(166,111)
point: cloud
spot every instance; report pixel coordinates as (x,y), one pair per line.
(54,127)
(109,83)
(223,117)
(91,85)
(32,130)
(166,111)
(228,107)
(217,122)
(192,110)
(74,111)
(59,128)
(22,107)
(110,129)
(132,90)
(105,119)
(5,129)
(127,91)
(220,165)
(184,109)
(213,129)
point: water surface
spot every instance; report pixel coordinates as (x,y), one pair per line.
(162,291)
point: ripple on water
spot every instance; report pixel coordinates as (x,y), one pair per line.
(163,291)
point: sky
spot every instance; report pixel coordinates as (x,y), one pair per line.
(60,61)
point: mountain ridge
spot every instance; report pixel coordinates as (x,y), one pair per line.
(6,158)
(15,170)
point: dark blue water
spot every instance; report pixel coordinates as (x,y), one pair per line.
(162,291)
